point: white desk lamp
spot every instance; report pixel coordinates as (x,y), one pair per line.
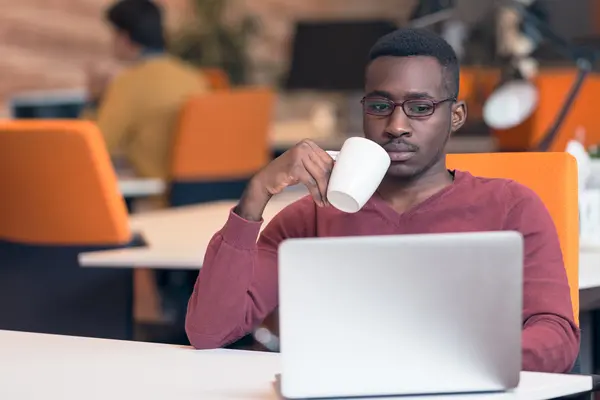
(512,103)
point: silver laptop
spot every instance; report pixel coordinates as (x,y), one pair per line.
(400,315)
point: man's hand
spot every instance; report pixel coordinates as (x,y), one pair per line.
(304,163)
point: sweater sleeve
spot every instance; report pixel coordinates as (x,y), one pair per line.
(237,285)
(550,339)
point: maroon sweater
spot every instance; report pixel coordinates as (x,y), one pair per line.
(237,285)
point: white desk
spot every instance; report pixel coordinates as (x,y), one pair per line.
(35,366)
(177,238)
(131,187)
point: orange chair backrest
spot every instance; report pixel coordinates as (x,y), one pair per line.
(553,177)
(59,187)
(223,135)
(217,78)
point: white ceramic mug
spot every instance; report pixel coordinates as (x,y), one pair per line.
(359,168)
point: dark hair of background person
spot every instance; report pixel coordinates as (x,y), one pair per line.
(141,20)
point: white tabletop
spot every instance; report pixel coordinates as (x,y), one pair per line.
(133,186)
(35,366)
(178,238)
(141,187)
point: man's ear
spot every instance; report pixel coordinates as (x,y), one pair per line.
(459,115)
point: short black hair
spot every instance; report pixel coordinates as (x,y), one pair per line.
(406,42)
(141,20)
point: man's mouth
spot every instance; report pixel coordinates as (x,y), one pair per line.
(400,156)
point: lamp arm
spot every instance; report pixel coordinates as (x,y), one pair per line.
(584,67)
(584,59)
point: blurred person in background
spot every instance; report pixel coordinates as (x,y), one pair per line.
(137,108)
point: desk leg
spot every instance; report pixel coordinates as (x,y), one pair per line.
(586,349)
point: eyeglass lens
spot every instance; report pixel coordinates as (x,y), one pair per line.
(412,108)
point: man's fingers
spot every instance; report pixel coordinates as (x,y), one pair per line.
(319,175)
(322,154)
(310,182)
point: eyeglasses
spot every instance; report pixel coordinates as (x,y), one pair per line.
(412,108)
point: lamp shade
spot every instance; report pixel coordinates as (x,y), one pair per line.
(510,105)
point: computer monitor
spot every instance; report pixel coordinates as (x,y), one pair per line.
(332,55)
(47,104)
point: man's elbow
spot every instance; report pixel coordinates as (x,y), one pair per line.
(567,358)
(201,341)
(551,346)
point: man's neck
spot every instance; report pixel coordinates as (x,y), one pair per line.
(146,53)
(402,195)
(141,54)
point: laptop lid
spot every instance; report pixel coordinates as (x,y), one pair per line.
(405,314)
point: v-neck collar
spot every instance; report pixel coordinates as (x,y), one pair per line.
(393,216)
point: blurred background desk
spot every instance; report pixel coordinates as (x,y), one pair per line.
(177,238)
(131,187)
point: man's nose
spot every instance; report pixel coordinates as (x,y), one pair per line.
(398,124)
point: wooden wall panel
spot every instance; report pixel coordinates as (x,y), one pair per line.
(45,44)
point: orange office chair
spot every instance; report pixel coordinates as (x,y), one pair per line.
(553,176)
(60,198)
(222,140)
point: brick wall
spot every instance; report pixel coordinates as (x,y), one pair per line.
(46,44)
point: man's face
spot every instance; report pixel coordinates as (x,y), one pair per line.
(415,142)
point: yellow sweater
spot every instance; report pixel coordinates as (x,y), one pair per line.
(139,111)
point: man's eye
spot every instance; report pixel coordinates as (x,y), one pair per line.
(420,108)
(379,107)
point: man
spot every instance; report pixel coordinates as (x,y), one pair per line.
(410,109)
(137,111)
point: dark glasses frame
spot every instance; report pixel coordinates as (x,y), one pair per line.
(405,105)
